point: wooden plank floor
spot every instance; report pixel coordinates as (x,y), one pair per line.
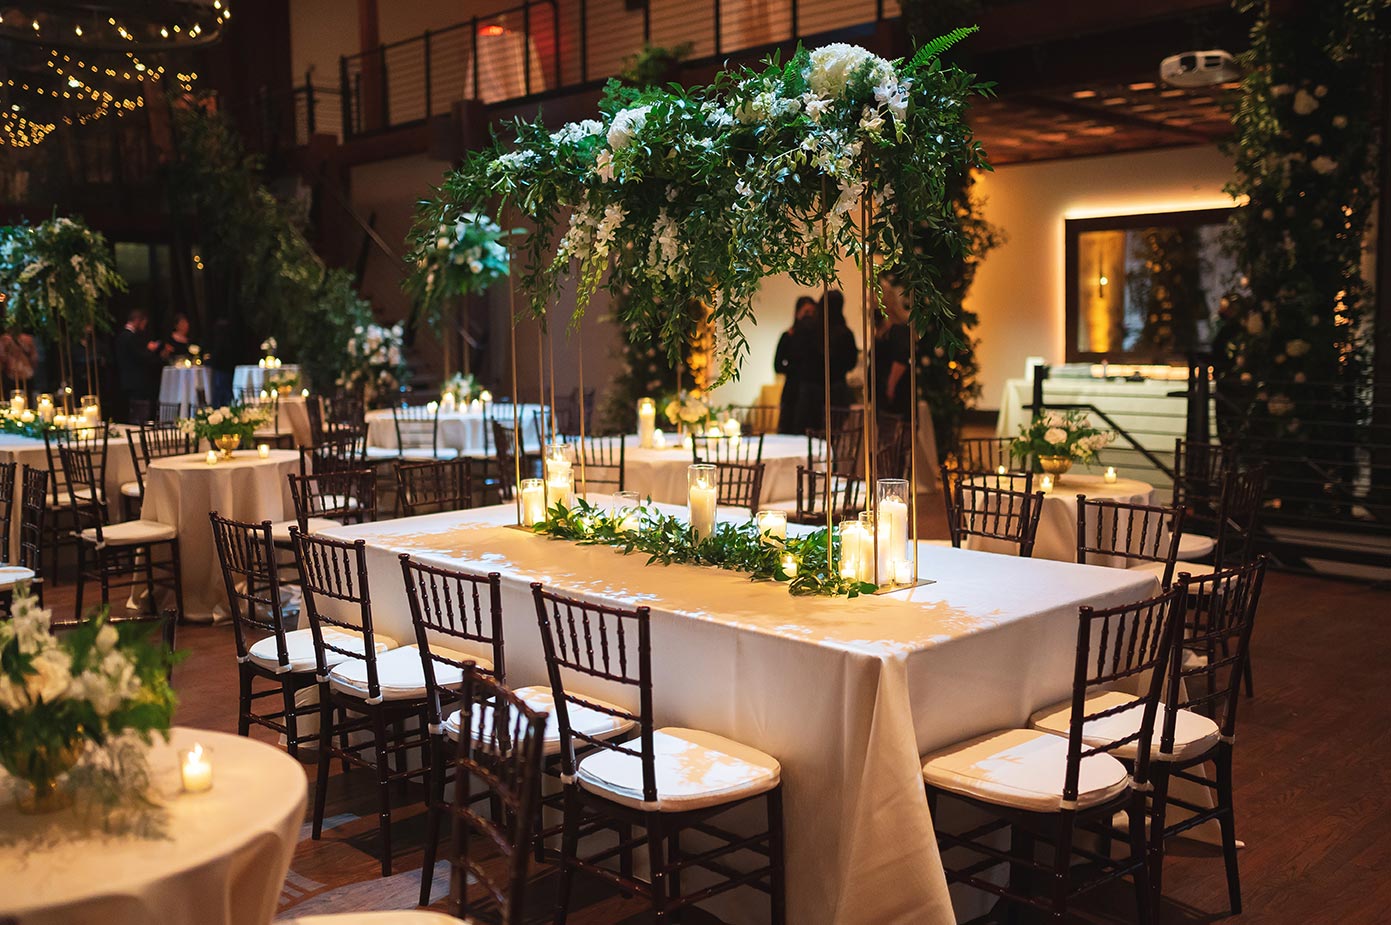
(1313,782)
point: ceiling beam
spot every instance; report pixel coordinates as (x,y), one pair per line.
(1105,114)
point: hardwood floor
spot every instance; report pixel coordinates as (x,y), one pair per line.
(1313,782)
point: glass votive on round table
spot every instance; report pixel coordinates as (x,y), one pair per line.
(196,769)
(211,458)
(771,524)
(627,511)
(263,450)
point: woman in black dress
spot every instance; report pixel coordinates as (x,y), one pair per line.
(786,362)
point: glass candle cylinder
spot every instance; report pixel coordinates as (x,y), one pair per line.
(771,524)
(211,458)
(533,501)
(196,769)
(263,450)
(701,499)
(647,422)
(560,474)
(1045,484)
(852,538)
(91,410)
(789,565)
(627,511)
(659,440)
(1110,476)
(18,401)
(47,410)
(876,563)
(732,427)
(448,402)
(892,509)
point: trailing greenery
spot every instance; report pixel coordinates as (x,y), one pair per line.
(460,257)
(1305,149)
(668,540)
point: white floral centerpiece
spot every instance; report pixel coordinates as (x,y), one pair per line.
(227,427)
(689,411)
(1057,438)
(64,696)
(461,388)
(462,257)
(376,362)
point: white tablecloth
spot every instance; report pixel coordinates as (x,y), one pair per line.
(223,862)
(182,490)
(292,413)
(181,385)
(661,474)
(461,430)
(1057,525)
(845,694)
(253,378)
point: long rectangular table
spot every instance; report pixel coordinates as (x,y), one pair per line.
(846,694)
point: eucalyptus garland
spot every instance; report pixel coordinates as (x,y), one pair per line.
(678,196)
(740,547)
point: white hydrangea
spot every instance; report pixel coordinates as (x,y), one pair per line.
(833,65)
(513,161)
(572,132)
(1055,435)
(626,124)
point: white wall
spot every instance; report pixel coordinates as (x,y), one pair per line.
(1018,292)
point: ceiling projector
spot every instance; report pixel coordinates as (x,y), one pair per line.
(1199,68)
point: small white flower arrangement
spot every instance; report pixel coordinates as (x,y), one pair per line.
(239,420)
(1067,434)
(463,387)
(689,409)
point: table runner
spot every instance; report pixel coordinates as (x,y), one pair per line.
(846,694)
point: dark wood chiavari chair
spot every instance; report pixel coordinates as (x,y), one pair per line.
(1000,511)
(267,401)
(846,447)
(333,454)
(505,460)
(1199,721)
(116,552)
(63,517)
(171,412)
(650,780)
(373,686)
(33,510)
(987,454)
(149,442)
(894,446)
(755,419)
(418,432)
(847,497)
(266,648)
(456,613)
(433,486)
(739,484)
(328,499)
(603,457)
(1201,470)
(567,417)
(1012,774)
(1124,535)
(746,450)
(8,481)
(503,762)
(543,424)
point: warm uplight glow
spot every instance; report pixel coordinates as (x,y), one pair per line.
(492,29)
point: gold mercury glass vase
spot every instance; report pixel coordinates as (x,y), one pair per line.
(227,443)
(1055,465)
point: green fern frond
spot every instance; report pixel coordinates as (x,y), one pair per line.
(941,43)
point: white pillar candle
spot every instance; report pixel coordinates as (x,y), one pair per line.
(46,409)
(732,428)
(1110,475)
(263,450)
(91,415)
(261,363)
(903,572)
(26,416)
(1046,483)
(687,442)
(197,770)
(772,524)
(714,431)
(448,402)
(303,393)
(18,402)
(701,501)
(475,406)
(852,548)
(893,520)
(533,502)
(885,553)
(485,396)
(560,481)
(647,422)
(60,420)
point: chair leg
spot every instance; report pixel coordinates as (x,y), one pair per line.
(325,758)
(434,806)
(569,845)
(1021,847)
(287,696)
(81,575)
(175,563)
(1144,895)
(674,878)
(1159,805)
(777,874)
(1062,867)
(1246,678)
(625,858)
(379,730)
(343,737)
(1227,820)
(244,703)
(656,861)
(150,600)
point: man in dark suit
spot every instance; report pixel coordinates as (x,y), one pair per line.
(139,360)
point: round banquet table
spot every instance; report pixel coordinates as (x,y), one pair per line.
(223,861)
(253,378)
(292,414)
(182,490)
(180,385)
(661,473)
(462,430)
(1057,525)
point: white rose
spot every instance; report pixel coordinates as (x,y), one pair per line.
(215,418)
(1304,103)
(1055,436)
(626,123)
(12,698)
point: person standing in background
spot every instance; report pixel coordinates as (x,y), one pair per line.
(139,361)
(785,361)
(810,353)
(891,354)
(181,337)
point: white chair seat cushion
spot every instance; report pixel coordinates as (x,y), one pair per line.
(63,499)
(424,452)
(1023,769)
(397,917)
(400,674)
(130,489)
(132,533)
(383,452)
(1195,546)
(1193,732)
(11,575)
(595,723)
(694,769)
(1196,569)
(280,533)
(299,648)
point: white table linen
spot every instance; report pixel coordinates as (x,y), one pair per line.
(181,385)
(462,430)
(223,862)
(182,490)
(661,473)
(253,378)
(1057,525)
(846,694)
(292,417)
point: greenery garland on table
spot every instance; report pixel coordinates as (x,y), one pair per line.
(679,196)
(668,540)
(1305,151)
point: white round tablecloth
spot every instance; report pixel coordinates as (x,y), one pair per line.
(662,473)
(182,490)
(1057,525)
(292,412)
(181,384)
(223,861)
(461,430)
(254,377)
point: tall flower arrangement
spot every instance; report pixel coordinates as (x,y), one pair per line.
(376,363)
(456,258)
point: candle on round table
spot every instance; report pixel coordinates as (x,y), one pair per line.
(701,500)
(60,420)
(877,564)
(903,572)
(659,440)
(432,407)
(211,458)
(91,415)
(485,396)
(533,501)
(263,450)
(475,406)
(1000,470)
(560,476)
(852,551)
(627,511)
(732,428)
(448,402)
(265,395)
(772,524)
(647,422)
(714,431)
(261,363)
(26,416)
(1110,475)
(789,565)
(1046,483)
(687,442)
(197,770)
(303,393)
